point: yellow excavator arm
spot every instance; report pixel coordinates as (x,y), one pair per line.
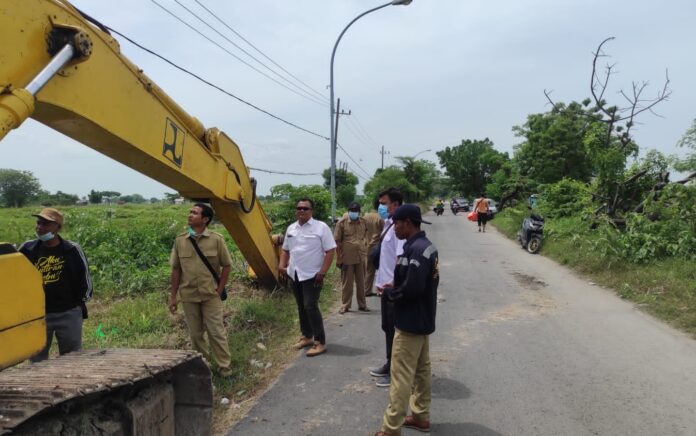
(61,70)
(68,73)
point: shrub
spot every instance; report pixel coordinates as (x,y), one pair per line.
(564,198)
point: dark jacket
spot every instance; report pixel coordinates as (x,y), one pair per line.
(416,277)
(79,281)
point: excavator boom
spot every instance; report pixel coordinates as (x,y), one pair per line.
(67,73)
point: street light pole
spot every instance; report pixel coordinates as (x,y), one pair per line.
(421,152)
(331,103)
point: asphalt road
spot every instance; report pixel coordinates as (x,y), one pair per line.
(523,347)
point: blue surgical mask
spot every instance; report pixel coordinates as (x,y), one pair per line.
(191,232)
(383,211)
(46,236)
(353,215)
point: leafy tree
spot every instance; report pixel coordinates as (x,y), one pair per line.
(133,198)
(390,177)
(554,146)
(279,191)
(284,215)
(422,174)
(17,187)
(471,165)
(688,141)
(95,197)
(345,185)
(169,197)
(58,199)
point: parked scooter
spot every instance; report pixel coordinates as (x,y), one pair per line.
(531,233)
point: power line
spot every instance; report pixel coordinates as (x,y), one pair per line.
(351,158)
(359,124)
(357,135)
(307,95)
(233,55)
(258,50)
(217,87)
(284,172)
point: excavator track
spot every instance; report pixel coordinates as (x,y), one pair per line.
(109,392)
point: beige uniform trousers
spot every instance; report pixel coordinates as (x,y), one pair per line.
(410,380)
(369,273)
(353,275)
(206,317)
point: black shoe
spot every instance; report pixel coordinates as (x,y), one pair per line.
(380,371)
(384,382)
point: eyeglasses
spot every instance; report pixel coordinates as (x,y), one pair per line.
(304,209)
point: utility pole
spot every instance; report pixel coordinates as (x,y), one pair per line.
(338,112)
(383,152)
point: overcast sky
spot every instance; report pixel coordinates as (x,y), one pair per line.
(416,77)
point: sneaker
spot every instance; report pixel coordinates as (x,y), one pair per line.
(415,424)
(316,350)
(303,342)
(364,309)
(384,381)
(380,371)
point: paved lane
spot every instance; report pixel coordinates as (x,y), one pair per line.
(522,347)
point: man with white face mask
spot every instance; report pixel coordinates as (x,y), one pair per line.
(351,242)
(66,282)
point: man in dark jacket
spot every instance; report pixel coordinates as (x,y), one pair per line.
(416,277)
(66,282)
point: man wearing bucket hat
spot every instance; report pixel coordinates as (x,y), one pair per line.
(66,282)
(414,294)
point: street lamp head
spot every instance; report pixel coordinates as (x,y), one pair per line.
(401,2)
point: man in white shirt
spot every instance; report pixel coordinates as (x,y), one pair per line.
(308,250)
(391,247)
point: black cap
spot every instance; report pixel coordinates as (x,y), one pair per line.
(354,205)
(408,211)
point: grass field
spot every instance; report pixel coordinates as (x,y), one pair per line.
(128,249)
(665,287)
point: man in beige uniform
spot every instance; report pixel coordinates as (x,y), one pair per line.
(198,291)
(350,235)
(375,225)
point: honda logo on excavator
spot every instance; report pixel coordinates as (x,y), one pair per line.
(173,145)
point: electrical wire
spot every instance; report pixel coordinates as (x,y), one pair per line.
(284,172)
(216,86)
(362,129)
(351,158)
(322,96)
(232,54)
(299,89)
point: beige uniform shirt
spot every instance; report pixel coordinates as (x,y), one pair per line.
(375,225)
(351,237)
(197,283)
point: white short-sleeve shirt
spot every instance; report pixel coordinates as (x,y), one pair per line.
(307,244)
(391,248)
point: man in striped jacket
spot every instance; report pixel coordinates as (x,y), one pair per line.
(66,282)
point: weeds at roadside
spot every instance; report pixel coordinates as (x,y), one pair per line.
(664,287)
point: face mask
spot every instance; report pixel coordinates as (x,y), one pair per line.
(353,215)
(46,236)
(382,210)
(191,232)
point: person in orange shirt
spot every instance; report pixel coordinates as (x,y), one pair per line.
(481,207)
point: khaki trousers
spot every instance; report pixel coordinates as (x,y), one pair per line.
(206,317)
(369,273)
(410,381)
(353,274)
